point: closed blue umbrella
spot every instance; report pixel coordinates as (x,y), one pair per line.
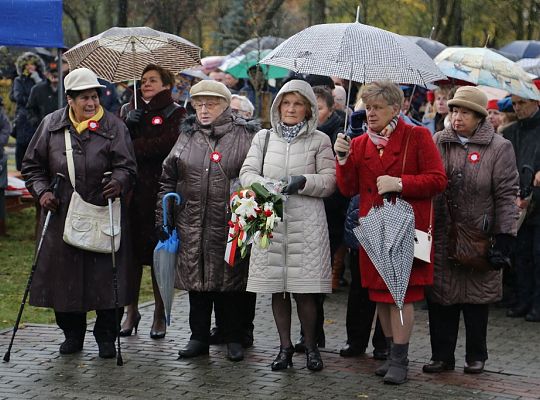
(165,259)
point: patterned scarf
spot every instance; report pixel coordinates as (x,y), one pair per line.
(380,140)
(290,132)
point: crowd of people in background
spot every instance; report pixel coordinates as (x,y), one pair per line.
(455,156)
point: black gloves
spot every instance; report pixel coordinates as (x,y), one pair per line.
(112,189)
(499,255)
(294,184)
(133,118)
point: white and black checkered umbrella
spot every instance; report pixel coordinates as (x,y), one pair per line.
(121,54)
(355,51)
(387,235)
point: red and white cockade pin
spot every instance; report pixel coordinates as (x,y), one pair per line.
(157,120)
(93,125)
(474,157)
(215,156)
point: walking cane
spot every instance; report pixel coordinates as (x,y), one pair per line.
(56,190)
(119,361)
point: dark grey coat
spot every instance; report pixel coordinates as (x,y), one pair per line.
(68,279)
(486,189)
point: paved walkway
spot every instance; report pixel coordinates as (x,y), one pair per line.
(151,368)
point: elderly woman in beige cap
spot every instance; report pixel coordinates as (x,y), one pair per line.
(70,280)
(202,167)
(479,201)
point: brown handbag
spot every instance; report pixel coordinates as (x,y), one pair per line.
(468,247)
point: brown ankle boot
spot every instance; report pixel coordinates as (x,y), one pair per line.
(338,266)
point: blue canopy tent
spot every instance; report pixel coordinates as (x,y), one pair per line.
(33,23)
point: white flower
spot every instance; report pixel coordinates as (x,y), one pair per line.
(270,222)
(247,208)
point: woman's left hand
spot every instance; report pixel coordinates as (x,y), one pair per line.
(388,184)
(537,179)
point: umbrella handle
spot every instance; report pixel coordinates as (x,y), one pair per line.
(177,201)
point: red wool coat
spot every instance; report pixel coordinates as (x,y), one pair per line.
(423,178)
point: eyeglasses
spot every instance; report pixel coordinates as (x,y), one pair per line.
(210,105)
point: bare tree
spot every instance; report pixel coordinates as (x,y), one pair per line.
(122,13)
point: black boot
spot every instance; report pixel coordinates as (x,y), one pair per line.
(397,373)
(107,349)
(71,345)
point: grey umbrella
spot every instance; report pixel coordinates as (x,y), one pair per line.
(257,43)
(387,235)
(430,46)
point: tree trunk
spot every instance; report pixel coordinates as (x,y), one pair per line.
(318,12)
(72,16)
(267,22)
(122,13)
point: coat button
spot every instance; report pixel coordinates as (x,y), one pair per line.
(369,190)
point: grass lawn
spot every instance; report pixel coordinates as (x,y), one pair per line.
(16,256)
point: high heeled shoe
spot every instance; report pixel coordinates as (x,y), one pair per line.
(283,359)
(313,359)
(158,334)
(128,331)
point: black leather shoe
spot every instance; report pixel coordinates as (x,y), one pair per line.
(437,366)
(215,336)
(313,359)
(235,351)
(283,359)
(350,350)
(71,345)
(518,311)
(380,354)
(107,349)
(533,315)
(474,367)
(194,348)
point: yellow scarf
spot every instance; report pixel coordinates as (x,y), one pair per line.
(80,127)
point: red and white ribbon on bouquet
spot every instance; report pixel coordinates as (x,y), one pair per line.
(236,233)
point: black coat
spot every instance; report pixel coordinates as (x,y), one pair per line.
(43,100)
(525,138)
(152,143)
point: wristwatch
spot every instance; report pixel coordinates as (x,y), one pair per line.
(400,185)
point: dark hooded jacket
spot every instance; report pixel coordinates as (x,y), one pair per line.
(204,186)
(23,129)
(69,279)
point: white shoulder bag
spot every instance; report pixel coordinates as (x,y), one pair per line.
(87,226)
(422,240)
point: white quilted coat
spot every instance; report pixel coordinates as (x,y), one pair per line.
(298,259)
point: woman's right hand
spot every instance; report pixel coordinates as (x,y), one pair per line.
(342,147)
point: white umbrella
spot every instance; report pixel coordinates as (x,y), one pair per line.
(357,52)
(482,66)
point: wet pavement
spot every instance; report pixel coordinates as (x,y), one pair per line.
(151,368)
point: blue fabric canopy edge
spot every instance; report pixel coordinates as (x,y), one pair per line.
(31,23)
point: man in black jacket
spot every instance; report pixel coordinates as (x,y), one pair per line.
(525,137)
